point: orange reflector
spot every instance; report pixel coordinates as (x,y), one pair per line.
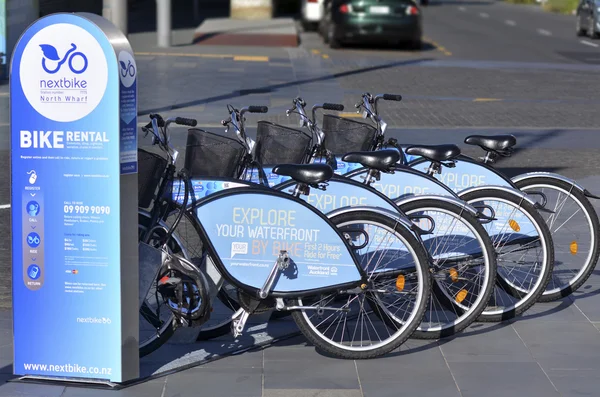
(573,248)
(514,225)
(453,274)
(400,283)
(462,294)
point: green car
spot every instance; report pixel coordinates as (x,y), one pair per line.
(375,21)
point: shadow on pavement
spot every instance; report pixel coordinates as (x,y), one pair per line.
(460,3)
(377,46)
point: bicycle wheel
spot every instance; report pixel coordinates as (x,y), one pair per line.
(524,249)
(156,326)
(226,303)
(574,227)
(462,266)
(396,266)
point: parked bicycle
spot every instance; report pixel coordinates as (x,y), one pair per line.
(325,269)
(569,214)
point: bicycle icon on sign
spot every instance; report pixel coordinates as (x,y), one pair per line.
(51,54)
(128,69)
(33,240)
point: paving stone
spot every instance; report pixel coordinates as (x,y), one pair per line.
(308,368)
(244,382)
(312,393)
(501,379)
(13,389)
(153,388)
(575,383)
(486,342)
(383,377)
(559,339)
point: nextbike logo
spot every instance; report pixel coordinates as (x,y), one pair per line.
(127,69)
(63,72)
(94,320)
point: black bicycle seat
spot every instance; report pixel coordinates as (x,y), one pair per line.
(493,143)
(435,153)
(381,160)
(311,174)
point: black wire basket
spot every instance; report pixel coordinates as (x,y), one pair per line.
(343,135)
(278,144)
(151,168)
(212,155)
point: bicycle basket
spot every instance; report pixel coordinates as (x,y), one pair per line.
(212,155)
(343,135)
(150,171)
(277,144)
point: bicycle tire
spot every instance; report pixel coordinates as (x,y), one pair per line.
(189,223)
(533,216)
(169,330)
(591,216)
(332,348)
(438,290)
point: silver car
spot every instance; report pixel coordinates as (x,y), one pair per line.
(587,18)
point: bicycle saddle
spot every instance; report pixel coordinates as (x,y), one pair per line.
(435,152)
(381,160)
(494,142)
(311,174)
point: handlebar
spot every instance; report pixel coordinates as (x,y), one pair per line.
(185,121)
(391,97)
(258,109)
(333,106)
(159,127)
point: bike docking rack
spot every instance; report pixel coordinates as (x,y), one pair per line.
(74,180)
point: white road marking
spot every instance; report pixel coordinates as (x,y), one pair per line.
(4,206)
(544,32)
(510,22)
(484,15)
(462,9)
(588,43)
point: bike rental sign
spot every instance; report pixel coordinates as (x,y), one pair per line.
(74,201)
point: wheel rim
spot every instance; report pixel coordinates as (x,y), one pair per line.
(509,274)
(555,224)
(344,326)
(452,284)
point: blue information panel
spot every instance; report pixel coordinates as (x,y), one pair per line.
(73,137)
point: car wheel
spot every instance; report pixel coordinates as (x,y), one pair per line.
(591,31)
(415,44)
(325,34)
(333,41)
(308,26)
(580,32)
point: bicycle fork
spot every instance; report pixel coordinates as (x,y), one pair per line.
(240,317)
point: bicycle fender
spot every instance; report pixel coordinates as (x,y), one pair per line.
(531,175)
(509,190)
(467,207)
(383,211)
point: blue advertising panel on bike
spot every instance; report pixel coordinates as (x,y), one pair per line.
(72,118)
(250,230)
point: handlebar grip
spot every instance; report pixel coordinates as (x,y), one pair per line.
(185,121)
(392,97)
(333,106)
(258,109)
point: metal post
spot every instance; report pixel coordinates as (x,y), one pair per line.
(163,22)
(116,12)
(196,10)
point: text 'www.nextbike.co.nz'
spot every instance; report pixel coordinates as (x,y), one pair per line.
(68,368)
